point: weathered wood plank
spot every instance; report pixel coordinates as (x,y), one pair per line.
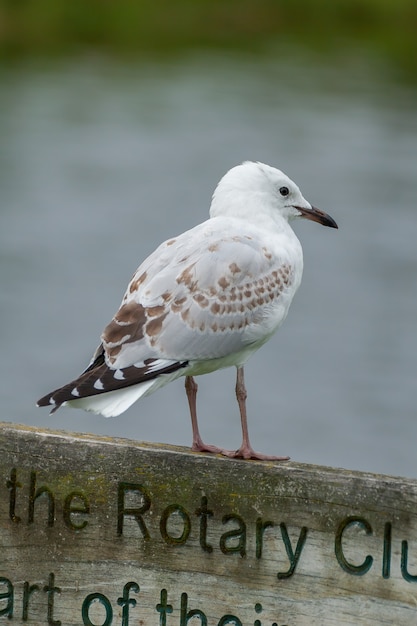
(98,531)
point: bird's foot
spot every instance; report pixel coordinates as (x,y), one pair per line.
(200,446)
(244,452)
(247,452)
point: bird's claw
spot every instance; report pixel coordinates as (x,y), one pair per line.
(243,452)
(250,454)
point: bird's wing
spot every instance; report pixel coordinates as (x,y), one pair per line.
(203,295)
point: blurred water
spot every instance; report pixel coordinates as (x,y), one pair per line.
(100,162)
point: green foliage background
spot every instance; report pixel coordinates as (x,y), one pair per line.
(384,28)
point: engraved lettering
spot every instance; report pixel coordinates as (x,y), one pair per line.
(13,485)
(7,595)
(229,619)
(178,511)
(125,602)
(136,513)
(357,570)
(258,609)
(186,615)
(238,533)
(34,494)
(293,557)
(386,555)
(410,578)
(261,526)
(104,601)
(73,510)
(163,608)
(204,513)
(28,590)
(50,589)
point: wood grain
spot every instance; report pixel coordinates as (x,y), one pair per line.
(100,531)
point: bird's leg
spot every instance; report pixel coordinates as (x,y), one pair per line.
(191,388)
(246,451)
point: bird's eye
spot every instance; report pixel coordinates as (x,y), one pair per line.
(284,191)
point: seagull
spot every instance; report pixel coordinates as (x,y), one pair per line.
(204,300)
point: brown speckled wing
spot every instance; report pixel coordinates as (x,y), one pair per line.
(189,302)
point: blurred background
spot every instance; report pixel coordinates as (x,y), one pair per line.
(117,119)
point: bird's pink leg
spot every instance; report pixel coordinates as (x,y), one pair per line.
(246,451)
(191,388)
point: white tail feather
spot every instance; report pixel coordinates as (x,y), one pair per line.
(113,403)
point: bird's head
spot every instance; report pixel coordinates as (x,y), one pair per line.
(253,190)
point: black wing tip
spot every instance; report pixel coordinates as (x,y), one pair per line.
(98,371)
(45,401)
(48,401)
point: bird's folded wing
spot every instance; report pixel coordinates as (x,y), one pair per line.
(189,301)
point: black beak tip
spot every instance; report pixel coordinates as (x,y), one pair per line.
(316,215)
(323,218)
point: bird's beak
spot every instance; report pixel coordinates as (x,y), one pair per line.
(316,215)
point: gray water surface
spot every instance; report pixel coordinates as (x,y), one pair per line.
(100,162)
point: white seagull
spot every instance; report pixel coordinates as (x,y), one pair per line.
(204,300)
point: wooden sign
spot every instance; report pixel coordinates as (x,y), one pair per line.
(108,532)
